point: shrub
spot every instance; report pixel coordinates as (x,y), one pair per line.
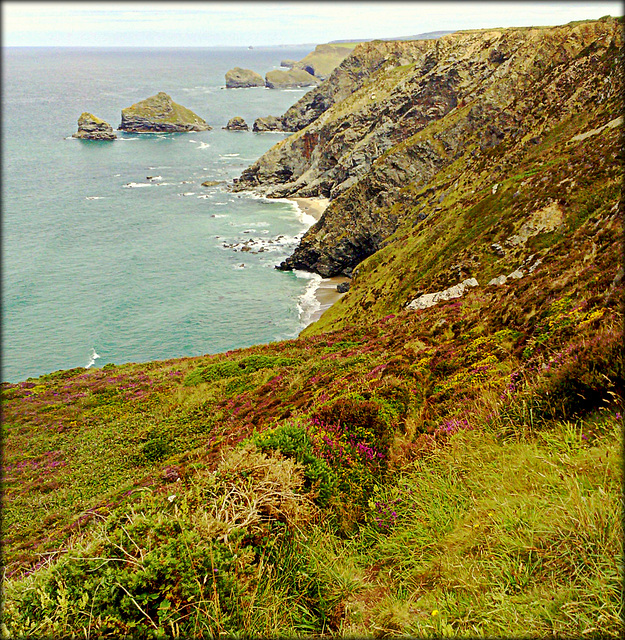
(292,440)
(364,419)
(583,378)
(235,368)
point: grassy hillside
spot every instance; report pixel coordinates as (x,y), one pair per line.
(428,471)
(447,471)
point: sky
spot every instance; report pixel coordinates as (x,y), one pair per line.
(229,23)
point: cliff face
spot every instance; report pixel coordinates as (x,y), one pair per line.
(451,103)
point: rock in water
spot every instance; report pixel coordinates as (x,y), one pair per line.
(91,127)
(237,124)
(270,123)
(292,79)
(238,78)
(160,113)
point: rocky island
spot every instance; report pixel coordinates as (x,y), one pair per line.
(91,127)
(237,124)
(239,78)
(160,113)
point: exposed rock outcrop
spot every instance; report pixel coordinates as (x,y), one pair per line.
(288,64)
(270,123)
(91,127)
(292,79)
(430,299)
(419,108)
(237,124)
(239,78)
(160,113)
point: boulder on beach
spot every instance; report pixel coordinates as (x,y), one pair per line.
(237,124)
(239,78)
(160,113)
(91,127)
(292,79)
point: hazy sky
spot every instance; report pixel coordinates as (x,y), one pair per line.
(206,24)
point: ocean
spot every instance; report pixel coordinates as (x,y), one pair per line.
(113,252)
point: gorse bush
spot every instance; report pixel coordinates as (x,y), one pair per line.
(292,440)
(187,564)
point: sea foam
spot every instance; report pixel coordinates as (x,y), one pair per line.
(92,358)
(308,304)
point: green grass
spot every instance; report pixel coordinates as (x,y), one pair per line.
(454,471)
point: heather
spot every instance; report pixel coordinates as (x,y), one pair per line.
(432,472)
(449,471)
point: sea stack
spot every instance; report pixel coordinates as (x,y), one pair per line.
(91,127)
(238,78)
(160,113)
(237,124)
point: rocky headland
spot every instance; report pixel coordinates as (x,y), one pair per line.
(448,433)
(239,78)
(159,113)
(91,127)
(323,60)
(398,128)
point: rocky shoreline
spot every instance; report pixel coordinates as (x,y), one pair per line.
(395,114)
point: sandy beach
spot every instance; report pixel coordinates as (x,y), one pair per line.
(312,206)
(327,294)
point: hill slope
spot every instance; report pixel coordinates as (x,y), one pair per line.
(419,469)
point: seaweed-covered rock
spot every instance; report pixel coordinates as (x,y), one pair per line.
(239,78)
(237,124)
(160,113)
(91,127)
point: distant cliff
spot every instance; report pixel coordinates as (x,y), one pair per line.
(397,118)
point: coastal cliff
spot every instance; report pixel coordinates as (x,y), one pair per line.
(448,434)
(425,112)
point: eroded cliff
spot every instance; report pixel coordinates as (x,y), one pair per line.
(452,102)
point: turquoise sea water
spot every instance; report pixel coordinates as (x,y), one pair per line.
(101,264)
